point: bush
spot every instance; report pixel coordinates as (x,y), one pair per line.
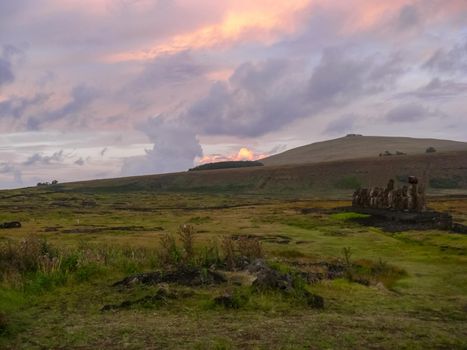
(187,234)
(169,254)
(28,256)
(228,165)
(249,248)
(430,150)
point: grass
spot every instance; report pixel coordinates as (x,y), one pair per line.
(416,297)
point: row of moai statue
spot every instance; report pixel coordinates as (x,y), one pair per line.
(410,197)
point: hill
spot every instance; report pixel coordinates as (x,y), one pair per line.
(356,146)
(441,172)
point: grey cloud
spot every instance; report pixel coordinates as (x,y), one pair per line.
(175,148)
(170,69)
(257,98)
(266,96)
(103,151)
(409,112)
(38,158)
(438,88)
(7,75)
(453,60)
(15,107)
(80,162)
(408,17)
(81,97)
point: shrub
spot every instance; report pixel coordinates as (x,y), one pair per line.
(249,248)
(347,254)
(187,233)
(169,253)
(430,150)
(27,256)
(377,272)
(228,251)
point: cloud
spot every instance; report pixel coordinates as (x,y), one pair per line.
(6,65)
(263,97)
(258,98)
(81,98)
(408,17)
(79,162)
(175,148)
(38,158)
(449,61)
(438,88)
(9,168)
(407,113)
(15,107)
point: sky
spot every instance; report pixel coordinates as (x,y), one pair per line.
(108,88)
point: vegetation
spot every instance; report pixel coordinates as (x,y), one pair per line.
(228,165)
(430,150)
(332,270)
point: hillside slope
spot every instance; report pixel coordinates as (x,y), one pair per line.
(354,147)
(441,172)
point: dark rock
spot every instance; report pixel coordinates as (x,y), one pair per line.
(183,276)
(314,300)
(228,301)
(11,224)
(268,278)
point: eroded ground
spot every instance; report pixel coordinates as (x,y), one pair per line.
(118,235)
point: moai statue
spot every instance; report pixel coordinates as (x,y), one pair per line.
(354,198)
(412,194)
(373,197)
(389,195)
(381,198)
(421,202)
(405,198)
(365,198)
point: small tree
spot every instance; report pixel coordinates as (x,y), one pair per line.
(430,150)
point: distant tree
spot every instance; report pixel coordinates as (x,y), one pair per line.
(430,150)
(54,182)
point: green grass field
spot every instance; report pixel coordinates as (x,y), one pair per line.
(99,239)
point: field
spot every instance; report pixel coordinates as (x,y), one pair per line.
(394,290)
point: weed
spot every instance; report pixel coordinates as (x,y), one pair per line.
(249,248)
(228,250)
(169,254)
(347,254)
(187,234)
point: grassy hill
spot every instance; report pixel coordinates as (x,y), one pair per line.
(441,172)
(354,147)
